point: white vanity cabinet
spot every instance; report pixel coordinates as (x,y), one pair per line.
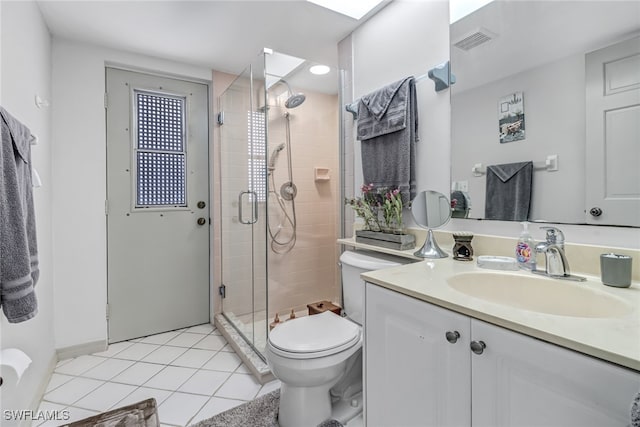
(416,377)
(413,375)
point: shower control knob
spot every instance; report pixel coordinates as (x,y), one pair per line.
(595,211)
(201,221)
(452,337)
(478,347)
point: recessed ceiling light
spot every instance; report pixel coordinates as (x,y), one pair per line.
(356,9)
(319,69)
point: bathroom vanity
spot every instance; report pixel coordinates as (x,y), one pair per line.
(448,344)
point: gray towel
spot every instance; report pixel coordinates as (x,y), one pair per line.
(18,247)
(508,195)
(388,129)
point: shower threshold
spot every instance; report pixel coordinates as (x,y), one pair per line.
(244,350)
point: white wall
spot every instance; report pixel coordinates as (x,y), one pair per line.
(79,162)
(26,68)
(409,38)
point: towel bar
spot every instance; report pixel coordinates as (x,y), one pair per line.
(550,165)
(353,107)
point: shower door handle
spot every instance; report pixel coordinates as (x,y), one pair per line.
(254,216)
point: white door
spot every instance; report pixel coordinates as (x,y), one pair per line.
(158,206)
(613,134)
(520,381)
(415,376)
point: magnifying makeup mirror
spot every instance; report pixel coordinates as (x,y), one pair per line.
(430,210)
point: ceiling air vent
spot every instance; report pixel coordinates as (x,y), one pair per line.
(475,39)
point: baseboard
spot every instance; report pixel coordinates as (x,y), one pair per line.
(81,349)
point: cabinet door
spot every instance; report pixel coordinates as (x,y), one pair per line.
(522,381)
(414,376)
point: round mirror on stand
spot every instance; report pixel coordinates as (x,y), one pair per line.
(430,210)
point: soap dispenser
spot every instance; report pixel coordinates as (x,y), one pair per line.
(525,254)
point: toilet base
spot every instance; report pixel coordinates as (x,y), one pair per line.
(296,412)
(344,411)
(295,407)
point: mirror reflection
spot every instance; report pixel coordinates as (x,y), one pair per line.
(430,209)
(531,89)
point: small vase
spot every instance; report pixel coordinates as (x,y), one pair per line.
(371,226)
(394,227)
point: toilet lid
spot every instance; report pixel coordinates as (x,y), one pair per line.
(311,334)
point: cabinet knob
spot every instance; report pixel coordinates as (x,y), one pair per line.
(452,337)
(478,347)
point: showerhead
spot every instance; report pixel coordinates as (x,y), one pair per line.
(295,99)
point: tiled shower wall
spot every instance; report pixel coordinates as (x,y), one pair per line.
(309,272)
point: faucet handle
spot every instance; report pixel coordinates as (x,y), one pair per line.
(554,235)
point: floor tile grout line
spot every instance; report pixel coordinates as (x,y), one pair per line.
(209,396)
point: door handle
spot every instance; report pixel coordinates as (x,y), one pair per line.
(254,216)
(596,211)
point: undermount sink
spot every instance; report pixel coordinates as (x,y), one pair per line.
(539,294)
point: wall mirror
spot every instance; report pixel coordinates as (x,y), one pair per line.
(430,209)
(539,53)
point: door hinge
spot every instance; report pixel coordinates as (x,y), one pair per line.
(107,311)
(106,100)
(222,290)
(221,118)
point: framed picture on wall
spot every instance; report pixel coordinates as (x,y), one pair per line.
(511,118)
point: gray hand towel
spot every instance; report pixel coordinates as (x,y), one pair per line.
(388,129)
(18,246)
(508,193)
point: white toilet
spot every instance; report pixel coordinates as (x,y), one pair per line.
(318,358)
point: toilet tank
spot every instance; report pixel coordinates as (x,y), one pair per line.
(353,264)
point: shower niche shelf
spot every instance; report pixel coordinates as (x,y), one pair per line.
(321,174)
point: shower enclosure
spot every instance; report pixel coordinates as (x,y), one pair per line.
(279,217)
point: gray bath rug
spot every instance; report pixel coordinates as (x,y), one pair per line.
(261,412)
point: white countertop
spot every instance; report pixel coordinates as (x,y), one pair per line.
(616,340)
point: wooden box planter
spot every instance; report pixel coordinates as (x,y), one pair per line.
(399,242)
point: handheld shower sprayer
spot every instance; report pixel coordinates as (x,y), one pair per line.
(274,156)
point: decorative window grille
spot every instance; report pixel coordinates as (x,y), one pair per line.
(257,165)
(160,150)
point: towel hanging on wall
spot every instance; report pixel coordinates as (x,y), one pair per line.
(388,131)
(18,252)
(508,193)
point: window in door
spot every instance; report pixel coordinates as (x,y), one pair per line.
(159,150)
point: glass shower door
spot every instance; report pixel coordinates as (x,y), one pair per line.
(243,204)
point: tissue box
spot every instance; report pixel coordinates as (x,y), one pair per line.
(322,306)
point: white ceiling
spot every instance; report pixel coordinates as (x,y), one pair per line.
(222,35)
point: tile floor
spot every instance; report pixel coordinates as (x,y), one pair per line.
(192,373)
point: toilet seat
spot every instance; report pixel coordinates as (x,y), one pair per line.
(314,336)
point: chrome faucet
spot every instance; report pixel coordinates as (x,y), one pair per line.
(556,264)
